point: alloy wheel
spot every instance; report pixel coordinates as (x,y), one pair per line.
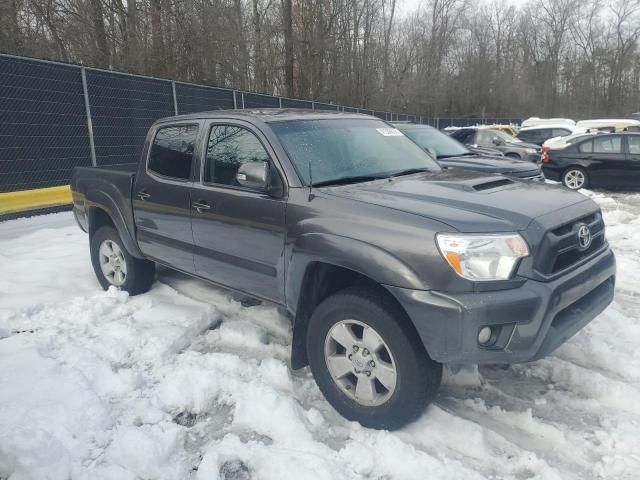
(360,362)
(574,179)
(112,263)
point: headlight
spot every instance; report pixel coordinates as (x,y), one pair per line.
(482,257)
(531,151)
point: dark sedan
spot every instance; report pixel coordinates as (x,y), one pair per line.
(608,160)
(452,154)
(489,138)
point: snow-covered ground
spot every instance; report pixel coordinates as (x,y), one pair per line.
(185,383)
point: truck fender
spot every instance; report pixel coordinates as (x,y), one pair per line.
(101,200)
(363,258)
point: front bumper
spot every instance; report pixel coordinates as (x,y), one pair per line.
(528,322)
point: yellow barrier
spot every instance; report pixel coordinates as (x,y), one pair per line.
(13,202)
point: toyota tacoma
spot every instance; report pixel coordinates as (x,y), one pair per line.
(387,265)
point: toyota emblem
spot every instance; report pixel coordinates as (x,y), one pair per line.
(584,237)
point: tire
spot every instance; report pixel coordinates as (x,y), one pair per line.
(417,377)
(131,274)
(575,178)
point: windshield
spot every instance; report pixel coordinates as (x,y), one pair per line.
(504,136)
(338,149)
(442,144)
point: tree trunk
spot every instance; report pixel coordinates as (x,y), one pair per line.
(157,43)
(287,21)
(102,54)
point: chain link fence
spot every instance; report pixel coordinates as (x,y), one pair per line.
(56,116)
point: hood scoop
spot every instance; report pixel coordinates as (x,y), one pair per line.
(479,187)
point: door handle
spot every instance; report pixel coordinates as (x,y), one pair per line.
(201,207)
(142,195)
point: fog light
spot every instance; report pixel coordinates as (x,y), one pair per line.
(484,335)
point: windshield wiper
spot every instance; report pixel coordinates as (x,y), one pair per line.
(410,171)
(347,180)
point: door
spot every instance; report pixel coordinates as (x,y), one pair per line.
(161,197)
(609,161)
(239,233)
(633,165)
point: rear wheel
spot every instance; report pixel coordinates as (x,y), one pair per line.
(114,265)
(368,361)
(575,178)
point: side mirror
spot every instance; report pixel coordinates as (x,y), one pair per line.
(497,141)
(254,175)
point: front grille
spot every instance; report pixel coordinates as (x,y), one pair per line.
(559,249)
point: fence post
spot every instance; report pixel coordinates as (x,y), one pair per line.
(280,102)
(242,98)
(235,103)
(313,105)
(87,109)
(438,123)
(175,99)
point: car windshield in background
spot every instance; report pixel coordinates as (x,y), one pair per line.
(505,136)
(349,150)
(442,144)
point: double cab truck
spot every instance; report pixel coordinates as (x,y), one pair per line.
(387,265)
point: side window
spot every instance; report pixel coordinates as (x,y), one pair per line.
(586,147)
(228,148)
(171,153)
(525,136)
(634,144)
(560,132)
(607,144)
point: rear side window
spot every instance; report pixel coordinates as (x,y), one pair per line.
(464,135)
(559,132)
(634,144)
(607,144)
(172,151)
(586,147)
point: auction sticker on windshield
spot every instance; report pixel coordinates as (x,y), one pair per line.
(390,132)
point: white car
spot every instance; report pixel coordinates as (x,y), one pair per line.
(541,133)
(537,121)
(611,124)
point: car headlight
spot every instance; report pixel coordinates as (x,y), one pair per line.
(531,151)
(482,257)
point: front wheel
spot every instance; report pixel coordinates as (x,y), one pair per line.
(575,178)
(368,361)
(115,266)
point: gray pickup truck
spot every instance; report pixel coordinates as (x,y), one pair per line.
(388,266)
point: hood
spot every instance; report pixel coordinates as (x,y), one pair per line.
(492,164)
(524,145)
(485,151)
(466,201)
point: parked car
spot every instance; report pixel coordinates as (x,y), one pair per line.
(611,125)
(606,160)
(387,265)
(539,134)
(452,154)
(486,137)
(537,122)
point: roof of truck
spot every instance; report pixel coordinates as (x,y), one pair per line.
(267,115)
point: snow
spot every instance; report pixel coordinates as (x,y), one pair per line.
(185,383)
